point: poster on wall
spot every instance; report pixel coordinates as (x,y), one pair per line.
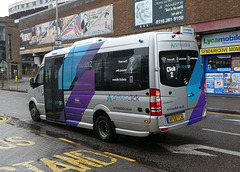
(214,83)
(97,21)
(209,85)
(218,85)
(46,32)
(40,34)
(148,13)
(27,37)
(236,63)
(89,23)
(232,83)
(70,27)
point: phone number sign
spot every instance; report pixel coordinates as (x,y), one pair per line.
(148,13)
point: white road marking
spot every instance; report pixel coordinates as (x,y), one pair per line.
(234,120)
(223,132)
(190,149)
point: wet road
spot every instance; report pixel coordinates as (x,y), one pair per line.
(211,145)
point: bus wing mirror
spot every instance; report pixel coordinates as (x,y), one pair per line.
(32,82)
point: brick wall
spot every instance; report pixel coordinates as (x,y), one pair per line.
(196,11)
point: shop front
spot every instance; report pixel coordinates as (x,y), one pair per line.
(221,60)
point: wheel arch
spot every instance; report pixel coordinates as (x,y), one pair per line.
(32,101)
(101,110)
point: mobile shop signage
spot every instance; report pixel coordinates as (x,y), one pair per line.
(221,39)
(148,13)
(220,50)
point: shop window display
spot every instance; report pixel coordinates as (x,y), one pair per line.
(222,74)
(219,62)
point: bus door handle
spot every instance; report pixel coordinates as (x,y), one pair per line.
(191,95)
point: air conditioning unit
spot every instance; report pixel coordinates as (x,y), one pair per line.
(51,5)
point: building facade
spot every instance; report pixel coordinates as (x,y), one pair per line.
(215,24)
(27,7)
(10,59)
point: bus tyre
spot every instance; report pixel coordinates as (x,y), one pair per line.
(34,112)
(104,129)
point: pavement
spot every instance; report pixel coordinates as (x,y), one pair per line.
(215,103)
(223,103)
(21,85)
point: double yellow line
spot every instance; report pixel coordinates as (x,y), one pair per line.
(225,114)
(4,118)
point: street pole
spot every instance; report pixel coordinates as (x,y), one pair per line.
(57,18)
(2,78)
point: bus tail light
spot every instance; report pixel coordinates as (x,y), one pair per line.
(164,129)
(155,102)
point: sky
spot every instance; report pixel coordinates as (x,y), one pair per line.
(4,6)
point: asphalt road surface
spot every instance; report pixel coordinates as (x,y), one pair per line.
(211,145)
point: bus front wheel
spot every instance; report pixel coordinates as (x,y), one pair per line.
(34,112)
(104,128)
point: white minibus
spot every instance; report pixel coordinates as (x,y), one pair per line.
(134,85)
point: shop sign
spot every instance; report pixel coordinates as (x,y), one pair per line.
(221,39)
(220,50)
(187,30)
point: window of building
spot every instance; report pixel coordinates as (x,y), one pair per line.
(34,3)
(10,46)
(41,1)
(2,33)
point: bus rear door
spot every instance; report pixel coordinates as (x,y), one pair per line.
(179,90)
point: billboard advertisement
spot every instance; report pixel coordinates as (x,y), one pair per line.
(89,23)
(148,13)
(97,21)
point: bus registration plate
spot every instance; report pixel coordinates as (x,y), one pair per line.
(175,118)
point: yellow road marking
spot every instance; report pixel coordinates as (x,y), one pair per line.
(69,141)
(226,114)
(8,168)
(37,131)
(118,156)
(4,118)
(28,165)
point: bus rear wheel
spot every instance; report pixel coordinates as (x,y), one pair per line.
(34,112)
(104,129)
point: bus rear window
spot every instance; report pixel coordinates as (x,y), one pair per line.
(177,67)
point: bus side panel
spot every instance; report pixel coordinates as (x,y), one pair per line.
(195,92)
(200,109)
(83,87)
(126,109)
